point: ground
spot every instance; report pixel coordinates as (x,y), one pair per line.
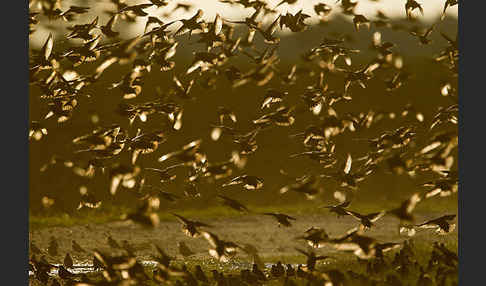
(273,242)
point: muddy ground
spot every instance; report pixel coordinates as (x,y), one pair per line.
(272,242)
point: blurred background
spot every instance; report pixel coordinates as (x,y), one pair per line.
(422,91)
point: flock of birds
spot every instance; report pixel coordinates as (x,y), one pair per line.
(53,71)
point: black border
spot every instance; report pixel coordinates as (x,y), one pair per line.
(15,155)
(471,145)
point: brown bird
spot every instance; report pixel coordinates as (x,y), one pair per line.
(447,4)
(164,174)
(282,219)
(316,237)
(441,224)
(68,261)
(260,276)
(273,96)
(339,210)
(144,215)
(289,2)
(424,37)
(220,249)
(191,24)
(412,5)
(234,204)
(249,182)
(360,20)
(361,246)
(188,154)
(107,29)
(251,22)
(404,211)
(366,220)
(294,22)
(267,34)
(190,227)
(65,274)
(322,8)
(312,258)
(307,185)
(136,9)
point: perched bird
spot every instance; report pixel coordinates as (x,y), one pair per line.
(68,261)
(277,270)
(260,276)
(65,274)
(289,272)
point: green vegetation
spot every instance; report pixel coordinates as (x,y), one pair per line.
(112,212)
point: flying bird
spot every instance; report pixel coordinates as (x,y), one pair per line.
(282,219)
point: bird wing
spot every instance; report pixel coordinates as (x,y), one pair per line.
(218,25)
(376,216)
(273,27)
(47,48)
(354,214)
(347,167)
(181,218)
(211,238)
